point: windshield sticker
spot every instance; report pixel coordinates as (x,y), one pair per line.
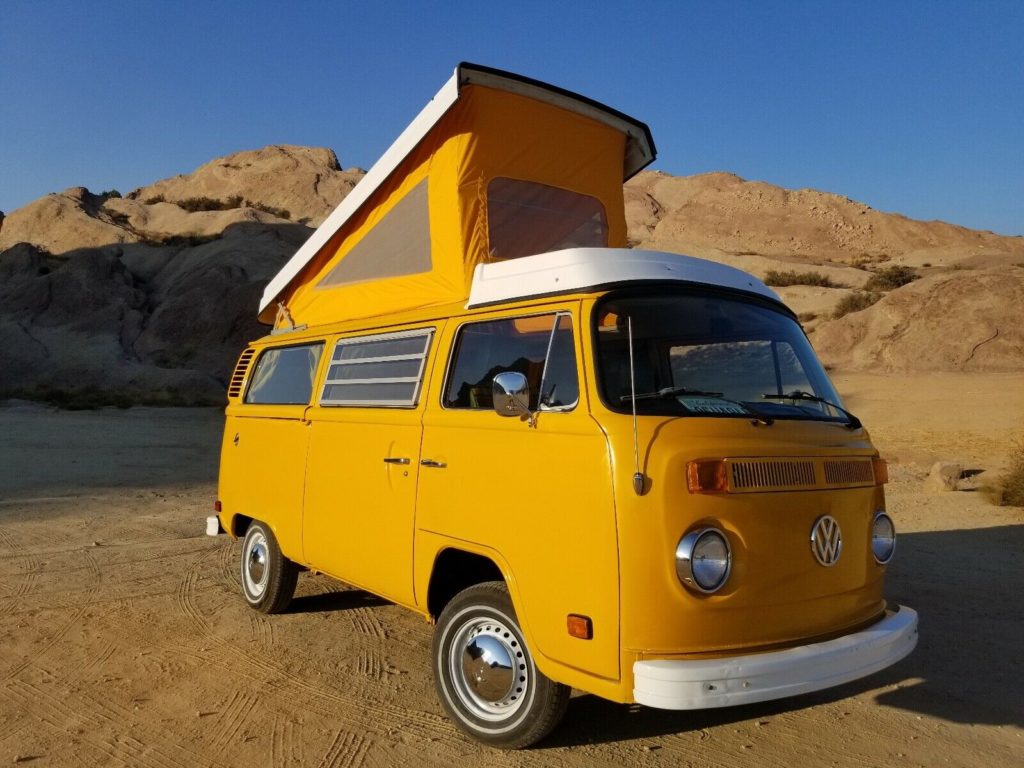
(711,405)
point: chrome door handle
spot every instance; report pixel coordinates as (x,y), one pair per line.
(396,461)
(432,463)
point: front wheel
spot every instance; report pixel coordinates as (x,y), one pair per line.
(268,577)
(485,676)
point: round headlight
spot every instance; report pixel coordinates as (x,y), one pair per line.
(883,538)
(703,560)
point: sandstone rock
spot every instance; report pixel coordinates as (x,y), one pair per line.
(141,297)
(305,181)
(956,321)
(715,212)
(944,476)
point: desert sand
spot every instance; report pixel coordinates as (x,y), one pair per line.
(126,642)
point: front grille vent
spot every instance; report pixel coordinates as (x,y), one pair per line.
(849,472)
(771,474)
(238,377)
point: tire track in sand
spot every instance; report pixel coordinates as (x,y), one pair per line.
(28,577)
(59,714)
(347,750)
(365,715)
(235,714)
(90,591)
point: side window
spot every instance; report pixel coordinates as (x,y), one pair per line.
(284,375)
(384,370)
(540,347)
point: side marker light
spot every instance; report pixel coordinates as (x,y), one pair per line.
(579,626)
(707,476)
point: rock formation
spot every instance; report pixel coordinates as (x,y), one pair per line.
(149,297)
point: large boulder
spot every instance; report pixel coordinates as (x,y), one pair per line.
(962,320)
(306,182)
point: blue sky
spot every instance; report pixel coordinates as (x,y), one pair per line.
(914,107)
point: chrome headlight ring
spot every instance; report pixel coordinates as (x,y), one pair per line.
(704,560)
(883,537)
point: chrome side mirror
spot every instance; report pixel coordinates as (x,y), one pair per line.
(511,394)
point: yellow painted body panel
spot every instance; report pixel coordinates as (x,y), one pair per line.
(359,510)
(263,469)
(539,496)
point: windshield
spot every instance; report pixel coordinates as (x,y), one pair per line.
(702,353)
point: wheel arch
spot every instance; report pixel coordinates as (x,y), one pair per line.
(455,569)
(238,525)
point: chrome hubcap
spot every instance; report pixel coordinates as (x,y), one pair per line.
(489,668)
(254,565)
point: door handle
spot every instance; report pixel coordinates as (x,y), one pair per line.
(396,461)
(432,463)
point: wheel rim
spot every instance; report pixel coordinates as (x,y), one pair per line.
(255,564)
(489,669)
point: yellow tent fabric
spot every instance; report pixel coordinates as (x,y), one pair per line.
(488,134)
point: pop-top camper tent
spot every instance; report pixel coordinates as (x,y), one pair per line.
(495,167)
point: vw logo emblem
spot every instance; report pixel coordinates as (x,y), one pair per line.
(826,540)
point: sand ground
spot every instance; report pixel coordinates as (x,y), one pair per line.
(125,641)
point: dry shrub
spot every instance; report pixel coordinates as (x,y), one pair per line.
(806,317)
(1009,489)
(281,213)
(855,302)
(781,279)
(890,279)
(194,204)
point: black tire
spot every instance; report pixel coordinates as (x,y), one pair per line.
(485,675)
(268,577)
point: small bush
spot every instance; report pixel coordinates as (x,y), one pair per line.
(195,204)
(154,200)
(806,317)
(109,194)
(281,213)
(780,279)
(890,278)
(189,241)
(1009,489)
(855,302)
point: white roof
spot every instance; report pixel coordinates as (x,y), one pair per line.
(640,151)
(580,269)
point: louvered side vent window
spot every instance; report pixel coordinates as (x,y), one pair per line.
(385,370)
(238,377)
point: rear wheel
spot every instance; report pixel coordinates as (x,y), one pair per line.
(268,577)
(485,676)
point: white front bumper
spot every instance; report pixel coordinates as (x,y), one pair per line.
(725,682)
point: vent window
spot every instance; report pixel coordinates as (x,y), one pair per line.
(238,377)
(383,370)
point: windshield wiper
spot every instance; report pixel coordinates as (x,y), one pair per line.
(666,392)
(799,394)
(669,392)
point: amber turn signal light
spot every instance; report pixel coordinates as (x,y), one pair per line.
(706,476)
(881,469)
(579,626)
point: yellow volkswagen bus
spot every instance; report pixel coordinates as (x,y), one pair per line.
(590,466)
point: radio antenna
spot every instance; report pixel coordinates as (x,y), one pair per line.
(638,477)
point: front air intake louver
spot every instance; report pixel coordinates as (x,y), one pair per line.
(765,475)
(849,472)
(238,377)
